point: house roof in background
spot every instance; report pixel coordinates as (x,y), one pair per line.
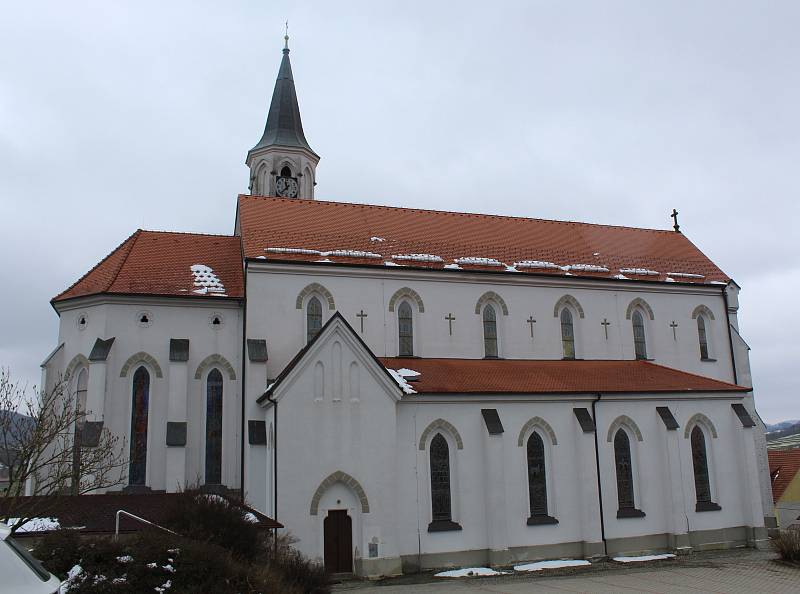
(525,376)
(783,467)
(295,230)
(161,263)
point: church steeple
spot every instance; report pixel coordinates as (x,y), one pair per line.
(283,163)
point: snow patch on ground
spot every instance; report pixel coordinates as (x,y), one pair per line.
(417,257)
(72,576)
(643,558)
(469,572)
(478,261)
(125,559)
(406,387)
(165,586)
(540,565)
(206,281)
(36,524)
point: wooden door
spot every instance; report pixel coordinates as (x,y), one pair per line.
(338,542)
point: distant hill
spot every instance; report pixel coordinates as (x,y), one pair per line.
(782,425)
(788,429)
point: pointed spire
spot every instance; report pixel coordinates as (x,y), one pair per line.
(284,127)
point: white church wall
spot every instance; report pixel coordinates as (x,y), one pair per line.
(355,290)
(338,416)
(120,318)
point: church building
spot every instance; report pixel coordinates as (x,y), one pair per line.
(406,388)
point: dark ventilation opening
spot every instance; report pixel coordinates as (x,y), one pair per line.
(286,172)
(144,319)
(216,321)
(82,321)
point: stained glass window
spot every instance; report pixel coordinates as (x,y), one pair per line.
(622,458)
(214,428)
(537,480)
(313,318)
(702,486)
(701,334)
(490,331)
(639,342)
(137,469)
(406,330)
(567,334)
(440,478)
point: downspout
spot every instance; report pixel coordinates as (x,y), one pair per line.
(244,386)
(274,464)
(730,336)
(599,482)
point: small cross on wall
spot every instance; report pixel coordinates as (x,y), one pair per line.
(361,316)
(674,326)
(450,319)
(531,321)
(605,324)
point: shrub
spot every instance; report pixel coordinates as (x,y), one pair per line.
(787,545)
(218,520)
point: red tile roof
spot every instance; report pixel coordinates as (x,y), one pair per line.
(785,464)
(386,231)
(523,376)
(158,263)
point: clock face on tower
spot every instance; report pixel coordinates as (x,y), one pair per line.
(286,187)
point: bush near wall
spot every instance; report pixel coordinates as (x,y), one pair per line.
(218,551)
(787,545)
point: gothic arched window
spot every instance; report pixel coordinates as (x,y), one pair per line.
(81,388)
(567,334)
(313,318)
(537,479)
(702,338)
(490,332)
(702,486)
(405,327)
(622,459)
(639,341)
(440,479)
(286,172)
(214,428)
(137,469)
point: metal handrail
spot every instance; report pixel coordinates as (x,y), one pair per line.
(130,515)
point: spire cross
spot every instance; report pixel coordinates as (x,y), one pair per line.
(286,36)
(675,226)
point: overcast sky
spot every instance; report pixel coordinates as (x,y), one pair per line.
(116,116)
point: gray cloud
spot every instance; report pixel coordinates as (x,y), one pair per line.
(118,116)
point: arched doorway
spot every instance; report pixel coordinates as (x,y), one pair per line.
(338,528)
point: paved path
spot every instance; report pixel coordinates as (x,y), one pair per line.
(731,572)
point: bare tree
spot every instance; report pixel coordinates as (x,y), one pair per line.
(41,437)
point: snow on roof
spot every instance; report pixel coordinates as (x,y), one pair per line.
(478,261)
(536,264)
(417,257)
(206,280)
(686,275)
(639,271)
(586,268)
(401,381)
